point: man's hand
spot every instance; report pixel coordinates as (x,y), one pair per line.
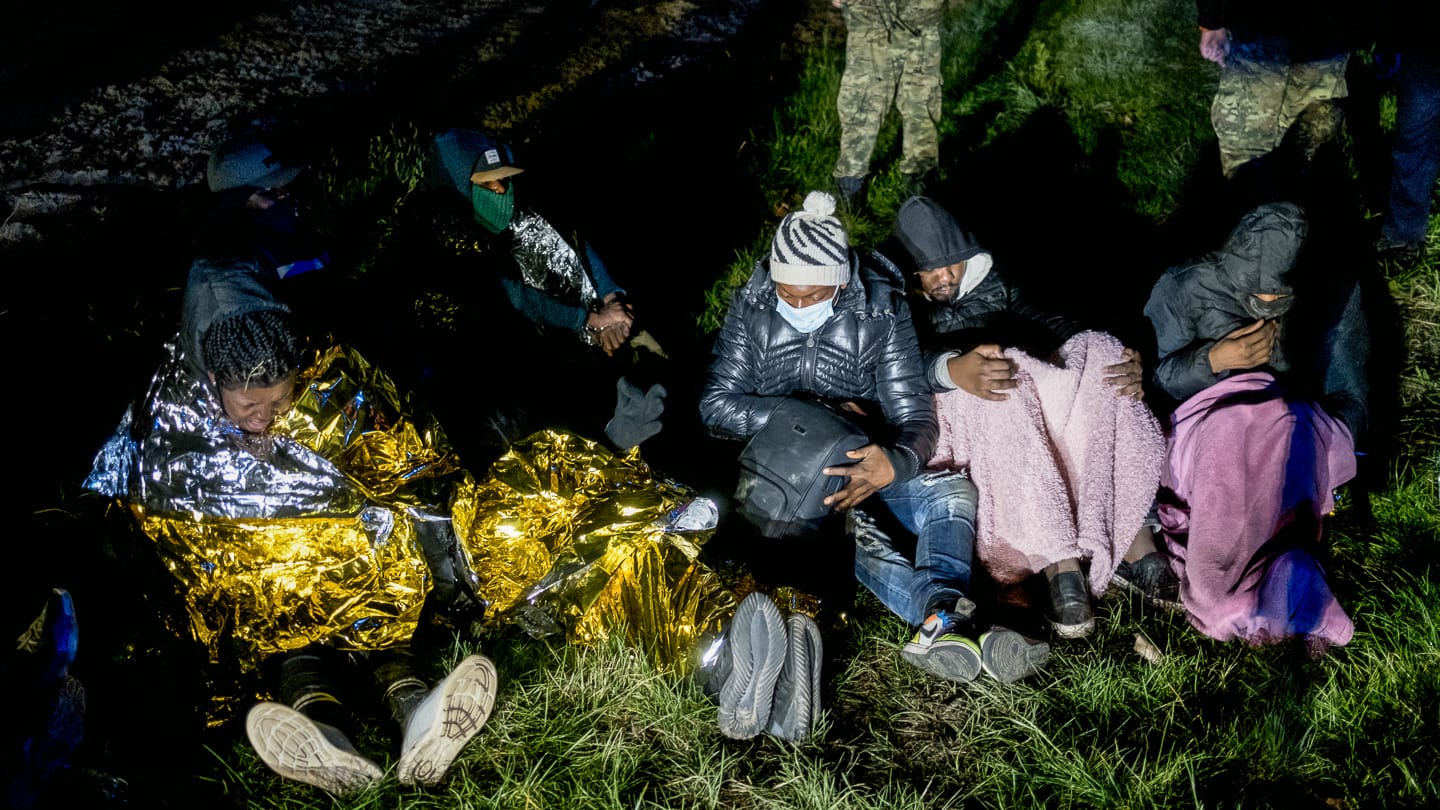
(1215,45)
(871,472)
(983,371)
(1245,348)
(1127,375)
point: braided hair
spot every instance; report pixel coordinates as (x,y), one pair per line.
(254,349)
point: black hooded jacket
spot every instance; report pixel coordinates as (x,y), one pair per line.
(1324,342)
(993,312)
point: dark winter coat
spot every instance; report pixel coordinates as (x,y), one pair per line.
(993,312)
(1323,344)
(866,353)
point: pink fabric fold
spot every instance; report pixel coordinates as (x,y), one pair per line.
(1250,476)
(1064,467)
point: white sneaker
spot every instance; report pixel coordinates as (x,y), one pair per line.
(453,712)
(299,748)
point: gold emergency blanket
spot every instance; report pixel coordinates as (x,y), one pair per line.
(566,536)
(308,538)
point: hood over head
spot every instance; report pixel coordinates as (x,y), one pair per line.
(213,293)
(931,236)
(1259,255)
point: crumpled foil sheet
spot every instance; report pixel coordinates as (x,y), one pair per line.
(313,540)
(316,542)
(547,262)
(568,537)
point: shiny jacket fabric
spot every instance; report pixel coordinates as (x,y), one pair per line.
(1323,348)
(866,353)
(993,312)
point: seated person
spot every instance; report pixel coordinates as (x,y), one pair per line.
(291,551)
(822,321)
(470,214)
(1269,365)
(1064,453)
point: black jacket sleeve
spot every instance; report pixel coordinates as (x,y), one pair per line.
(1184,365)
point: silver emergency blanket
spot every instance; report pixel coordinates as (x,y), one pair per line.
(547,262)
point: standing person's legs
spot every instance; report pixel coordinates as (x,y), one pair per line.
(867,89)
(1248,102)
(1416,154)
(919,96)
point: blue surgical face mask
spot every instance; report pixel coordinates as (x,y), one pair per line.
(806,319)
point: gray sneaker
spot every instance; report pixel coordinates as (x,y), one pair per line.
(796,707)
(1007,656)
(299,748)
(941,648)
(454,711)
(758,643)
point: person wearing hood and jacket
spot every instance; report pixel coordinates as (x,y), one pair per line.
(820,320)
(1270,366)
(1065,454)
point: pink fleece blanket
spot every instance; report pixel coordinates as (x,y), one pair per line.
(1249,477)
(1065,468)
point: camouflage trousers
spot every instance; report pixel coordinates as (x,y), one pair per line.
(1262,95)
(892,56)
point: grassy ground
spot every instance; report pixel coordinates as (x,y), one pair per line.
(1118,86)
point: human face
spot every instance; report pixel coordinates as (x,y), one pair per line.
(498,185)
(942,283)
(800,296)
(253,408)
(1269,297)
(267,198)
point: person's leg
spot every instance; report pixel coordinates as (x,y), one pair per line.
(300,737)
(437,723)
(867,89)
(939,508)
(1416,154)
(918,99)
(1247,107)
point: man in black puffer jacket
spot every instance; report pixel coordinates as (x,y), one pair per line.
(818,320)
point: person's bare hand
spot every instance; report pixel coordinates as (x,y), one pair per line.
(609,316)
(1127,376)
(871,472)
(983,371)
(613,338)
(1245,348)
(837,3)
(1215,45)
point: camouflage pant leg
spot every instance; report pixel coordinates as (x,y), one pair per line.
(866,91)
(1311,102)
(1260,98)
(918,101)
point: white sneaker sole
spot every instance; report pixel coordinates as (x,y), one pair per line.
(454,711)
(295,747)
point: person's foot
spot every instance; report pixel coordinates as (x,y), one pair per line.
(1150,578)
(1397,251)
(941,648)
(852,192)
(1007,656)
(453,712)
(796,706)
(1070,614)
(299,748)
(758,643)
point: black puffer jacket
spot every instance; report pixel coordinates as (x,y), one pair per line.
(993,312)
(866,353)
(1324,341)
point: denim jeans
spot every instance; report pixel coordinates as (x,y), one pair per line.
(1416,154)
(939,509)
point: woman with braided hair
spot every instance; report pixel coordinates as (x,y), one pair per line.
(299,554)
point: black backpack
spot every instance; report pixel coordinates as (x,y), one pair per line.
(781,490)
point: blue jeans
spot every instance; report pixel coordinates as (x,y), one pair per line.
(1416,154)
(939,509)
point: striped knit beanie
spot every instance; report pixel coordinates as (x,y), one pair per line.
(810,246)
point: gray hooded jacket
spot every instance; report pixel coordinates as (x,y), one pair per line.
(217,290)
(866,352)
(1323,344)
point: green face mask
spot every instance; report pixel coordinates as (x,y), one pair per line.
(493,210)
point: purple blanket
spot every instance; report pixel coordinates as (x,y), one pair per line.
(1064,467)
(1250,475)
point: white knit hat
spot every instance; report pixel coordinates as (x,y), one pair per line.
(810,245)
